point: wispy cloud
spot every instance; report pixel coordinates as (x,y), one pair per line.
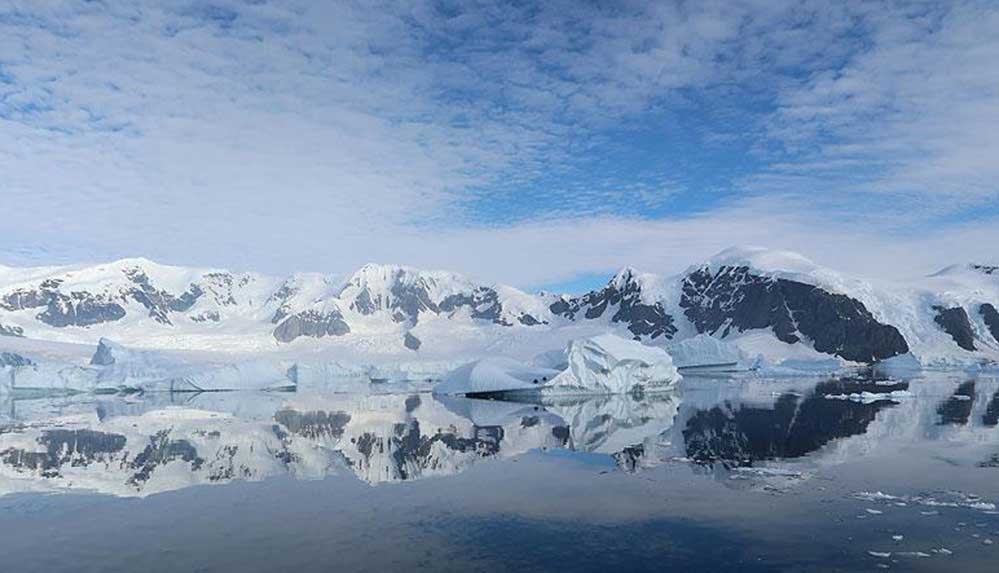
(525,141)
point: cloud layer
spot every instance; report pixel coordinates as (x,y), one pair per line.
(525,142)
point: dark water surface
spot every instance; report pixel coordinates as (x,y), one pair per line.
(722,475)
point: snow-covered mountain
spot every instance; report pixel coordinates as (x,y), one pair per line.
(770,303)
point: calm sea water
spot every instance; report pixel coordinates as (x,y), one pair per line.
(721,475)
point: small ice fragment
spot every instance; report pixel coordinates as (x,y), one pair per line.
(879,554)
(874,511)
(943,551)
(929,512)
(898,537)
(987,542)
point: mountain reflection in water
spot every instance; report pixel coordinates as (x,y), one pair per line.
(139,445)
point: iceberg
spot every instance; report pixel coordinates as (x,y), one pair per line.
(605,364)
(495,374)
(52,378)
(114,368)
(705,352)
(248,375)
(609,364)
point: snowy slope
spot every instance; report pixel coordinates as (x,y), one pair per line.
(774,305)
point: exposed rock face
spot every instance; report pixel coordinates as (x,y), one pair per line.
(80,309)
(223,285)
(625,294)
(74,309)
(528,320)
(62,307)
(22,298)
(406,298)
(160,303)
(406,294)
(15,331)
(954,321)
(282,294)
(733,299)
(207,316)
(483,302)
(311,323)
(991,317)
(14,360)
(411,342)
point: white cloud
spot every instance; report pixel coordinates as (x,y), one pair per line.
(913,113)
(304,135)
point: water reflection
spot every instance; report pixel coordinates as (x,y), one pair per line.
(956,410)
(138,445)
(741,434)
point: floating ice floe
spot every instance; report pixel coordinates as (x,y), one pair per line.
(953,499)
(705,352)
(867,397)
(114,368)
(604,364)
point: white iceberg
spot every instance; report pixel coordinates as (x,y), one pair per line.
(604,364)
(495,374)
(609,364)
(52,378)
(109,352)
(115,368)
(708,353)
(249,375)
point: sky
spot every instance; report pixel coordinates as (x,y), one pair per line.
(539,144)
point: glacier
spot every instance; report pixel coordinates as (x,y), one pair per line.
(750,306)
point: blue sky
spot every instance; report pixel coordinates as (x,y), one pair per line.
(542,144)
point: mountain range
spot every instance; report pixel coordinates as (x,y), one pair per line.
(775,304)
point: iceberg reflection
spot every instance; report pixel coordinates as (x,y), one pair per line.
(142,444)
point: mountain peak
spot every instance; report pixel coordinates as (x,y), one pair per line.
(624,276)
